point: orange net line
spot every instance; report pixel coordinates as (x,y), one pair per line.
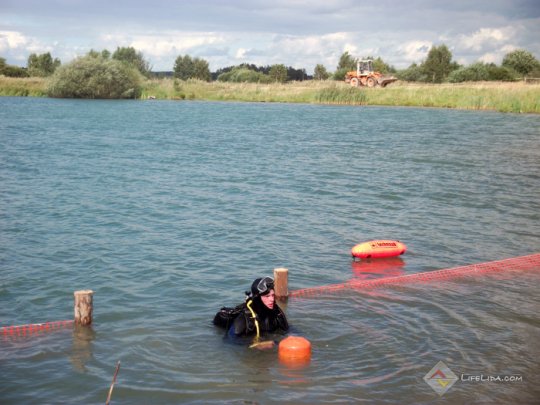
(528,262)
(33,328)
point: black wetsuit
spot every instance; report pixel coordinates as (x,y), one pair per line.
(270,320)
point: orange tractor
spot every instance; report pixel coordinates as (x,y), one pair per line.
(364,75)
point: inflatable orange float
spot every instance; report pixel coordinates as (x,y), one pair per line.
(378,248)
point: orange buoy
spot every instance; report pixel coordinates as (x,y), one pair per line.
(378,248)
(294,351)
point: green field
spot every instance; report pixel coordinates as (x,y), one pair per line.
(498,96)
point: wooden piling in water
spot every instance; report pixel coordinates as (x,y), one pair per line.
(83,307)
(281,283)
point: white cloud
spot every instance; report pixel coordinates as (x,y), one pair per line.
(486,37)
(17,46)
(11,40)
(414,51)
(306,51)
(165,44)
(498,55)
(241,53)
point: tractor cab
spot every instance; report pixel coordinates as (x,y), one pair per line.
(364,67)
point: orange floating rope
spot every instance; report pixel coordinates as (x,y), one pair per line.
(528,262)
(32,328)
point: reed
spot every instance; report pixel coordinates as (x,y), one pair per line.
(517,97)
(23,87)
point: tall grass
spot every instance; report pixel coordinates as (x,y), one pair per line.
(499,96)
(23,87)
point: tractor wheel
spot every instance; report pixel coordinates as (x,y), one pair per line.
(371,82)
(354,82)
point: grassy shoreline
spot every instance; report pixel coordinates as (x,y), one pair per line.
(497,96)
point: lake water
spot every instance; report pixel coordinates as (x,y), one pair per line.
(169,210)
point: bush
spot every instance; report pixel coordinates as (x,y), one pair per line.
(95,77)
(522,61)
(14,71)
(244,75)
(480,72)
(413,73)
(340,74)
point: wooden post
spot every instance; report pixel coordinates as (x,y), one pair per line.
(83,307)
(281,281)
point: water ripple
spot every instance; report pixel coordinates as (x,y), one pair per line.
(168,210)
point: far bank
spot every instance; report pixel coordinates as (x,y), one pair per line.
(515,97)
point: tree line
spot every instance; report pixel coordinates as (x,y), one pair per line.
(123,71)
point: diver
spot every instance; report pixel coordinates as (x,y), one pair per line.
(258,315)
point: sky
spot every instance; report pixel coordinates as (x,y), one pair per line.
(295,33)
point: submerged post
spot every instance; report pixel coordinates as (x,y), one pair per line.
(83,307)
(281,283)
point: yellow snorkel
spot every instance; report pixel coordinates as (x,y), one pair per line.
(254,315)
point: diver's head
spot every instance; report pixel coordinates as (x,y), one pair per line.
(264,288)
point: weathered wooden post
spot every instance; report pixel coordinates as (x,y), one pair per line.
(83,307)
(281,283)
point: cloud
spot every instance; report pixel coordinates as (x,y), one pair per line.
(414,51)
(17,46)
(498,55)
(11,40)
(485,37)
(241,53)
(298,33)
(312,49)
(162,44)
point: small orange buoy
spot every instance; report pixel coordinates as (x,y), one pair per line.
(294,351)
(378,248)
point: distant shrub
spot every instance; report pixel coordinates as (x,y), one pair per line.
(340,74)
(413,73)
(95,77)
(480,72)
(10,70)
(244,75)
(14,71)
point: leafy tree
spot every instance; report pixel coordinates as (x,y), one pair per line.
(201,70)
(438,64)
(521,61)
(240,74)
(346,64)
(133,58)
(381,66)
(413,73)
(296,74)
(93,53)
(278,73)
(42,65)
(14,71)
(480,72)
(95,77)
(183,67)
(472,73)
(339,74)
(187,68)
(320,73)
(10,70)
(500,73)
(346,61)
